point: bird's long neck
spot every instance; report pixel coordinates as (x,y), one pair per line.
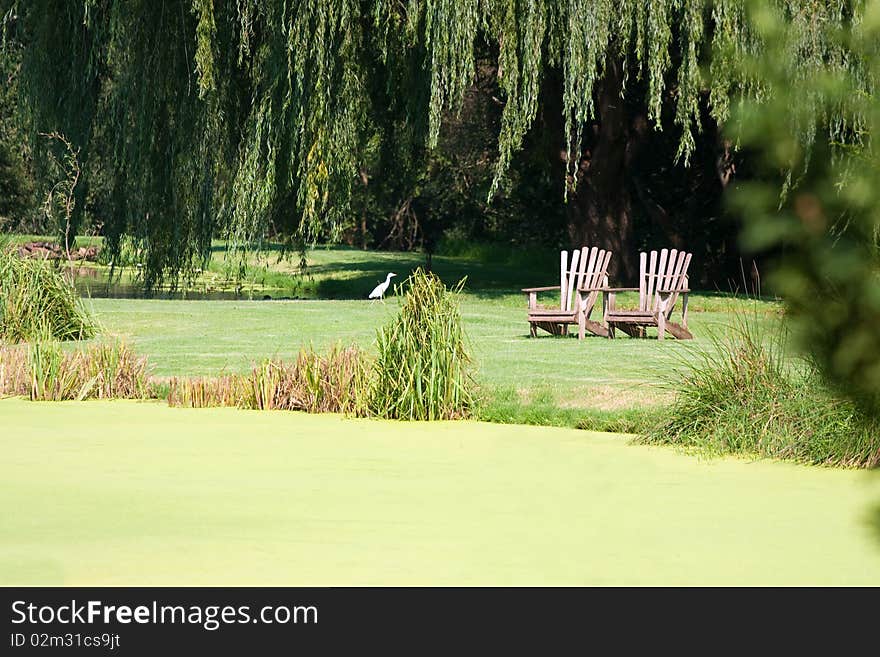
(388,277)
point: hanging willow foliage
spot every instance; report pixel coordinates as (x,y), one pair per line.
(214,116)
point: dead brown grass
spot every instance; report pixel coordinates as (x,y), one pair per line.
(334,382)
(43,371)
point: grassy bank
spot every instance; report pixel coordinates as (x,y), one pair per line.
(133,493)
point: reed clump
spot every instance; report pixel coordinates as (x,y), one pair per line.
(208,392)
(331,382)
(14,371)
(423,369)
(743,395)
(44,371)
(38,303)
(317,383)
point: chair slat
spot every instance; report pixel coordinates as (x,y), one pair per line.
(563,279)
(659,275)
(596,275)
(584,271)
(652,281)
(643,264)
(572,276)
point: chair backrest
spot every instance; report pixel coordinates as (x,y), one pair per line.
(588,268)
(666,273)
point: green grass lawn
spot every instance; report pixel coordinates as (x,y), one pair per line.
(125,493)
(209,337)
(558,378)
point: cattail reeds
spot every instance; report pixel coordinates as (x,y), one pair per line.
(422,370)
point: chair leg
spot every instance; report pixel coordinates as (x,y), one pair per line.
(661,326)
(533,330)
(582,326)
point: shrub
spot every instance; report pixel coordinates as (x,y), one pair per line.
(36,302)
(744,397)
(422,369)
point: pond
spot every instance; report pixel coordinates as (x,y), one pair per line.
(95,283)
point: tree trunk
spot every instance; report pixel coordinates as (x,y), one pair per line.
(600,201)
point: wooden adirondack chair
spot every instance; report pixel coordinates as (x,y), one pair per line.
(579,282)
(661,281)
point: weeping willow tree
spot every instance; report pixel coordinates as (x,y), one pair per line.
(209,117)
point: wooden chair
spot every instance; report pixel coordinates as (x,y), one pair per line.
(579,282)
(661,281)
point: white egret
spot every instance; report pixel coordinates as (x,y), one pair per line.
(379,291)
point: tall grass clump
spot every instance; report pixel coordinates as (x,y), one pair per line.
(316,383)
(208,392)
(14,371)
(422,367)
(114,371)
(54,375)
(744,396)
(37,302)
(44,371)
(331,382)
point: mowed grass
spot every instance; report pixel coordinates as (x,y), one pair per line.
(328,304)
(210,337)
(126,493)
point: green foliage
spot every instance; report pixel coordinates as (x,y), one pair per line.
(253,116)
(743,397)
(422,368)
(51,378)
(36,301)
(818,123)
(16,176)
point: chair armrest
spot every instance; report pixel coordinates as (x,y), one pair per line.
(608,289)
(685,291)
(527,290)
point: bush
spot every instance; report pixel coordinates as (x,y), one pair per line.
(743,397)
(422,368)
(36,302)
